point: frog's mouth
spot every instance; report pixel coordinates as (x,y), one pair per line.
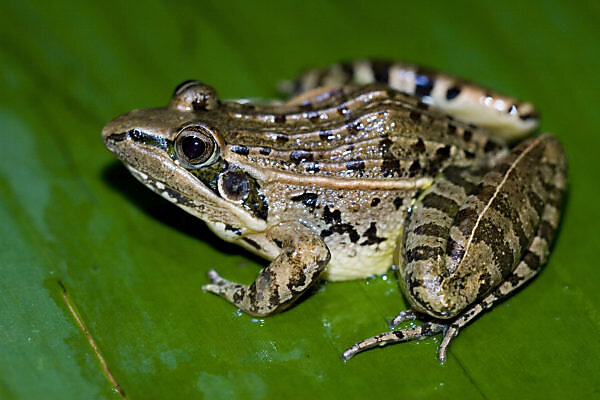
(152,160)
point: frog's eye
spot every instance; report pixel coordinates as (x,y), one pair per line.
(194,96)
(196,147)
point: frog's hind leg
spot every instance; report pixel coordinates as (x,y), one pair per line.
(302,259)
(530,265)
(525,271)
(465,249)
(406,335)
(501,115)
(533,259)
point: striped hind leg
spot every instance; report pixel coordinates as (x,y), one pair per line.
(406,335)
(529,267)
(533,260)
(501,115)
(540,161)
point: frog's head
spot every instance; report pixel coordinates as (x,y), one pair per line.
(178,152)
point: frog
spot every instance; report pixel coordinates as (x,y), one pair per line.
(368,165)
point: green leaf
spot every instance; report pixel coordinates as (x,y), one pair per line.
(132,264)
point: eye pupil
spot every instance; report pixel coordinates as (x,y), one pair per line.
(193,147)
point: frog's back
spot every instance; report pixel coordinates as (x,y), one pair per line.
(361,134)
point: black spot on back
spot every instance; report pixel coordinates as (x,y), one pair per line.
(242,150)
(307,198)
(342,229)
(313,167)
(355,165)
(325,135)
(389,166)
(414,168)
(385,145)
(281,138)
(397,202)
(332,217)
(298,156)
(371,237)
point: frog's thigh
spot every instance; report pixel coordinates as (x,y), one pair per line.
(302,259)
(472,246)
(467,102)
(530,265)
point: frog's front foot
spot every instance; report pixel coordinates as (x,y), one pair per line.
(302,259)
(221,286)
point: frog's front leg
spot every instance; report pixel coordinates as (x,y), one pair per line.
(303,257)
(470,241)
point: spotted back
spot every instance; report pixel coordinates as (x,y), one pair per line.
(369,132)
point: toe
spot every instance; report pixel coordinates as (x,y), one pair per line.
(214,276)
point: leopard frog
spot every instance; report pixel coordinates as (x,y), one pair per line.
(370,164)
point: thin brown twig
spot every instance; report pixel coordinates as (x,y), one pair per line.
(92,343)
